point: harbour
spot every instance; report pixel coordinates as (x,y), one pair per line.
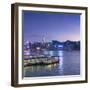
(69,64)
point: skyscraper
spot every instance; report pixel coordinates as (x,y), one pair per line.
(43,39)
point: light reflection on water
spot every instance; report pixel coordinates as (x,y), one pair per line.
(69,64)
(61,65)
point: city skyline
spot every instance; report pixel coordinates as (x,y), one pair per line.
(51,26)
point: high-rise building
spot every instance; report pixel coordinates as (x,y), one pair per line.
(43,40)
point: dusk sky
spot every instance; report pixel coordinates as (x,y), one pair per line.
(52,26)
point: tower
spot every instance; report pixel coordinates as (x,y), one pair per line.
(43,40)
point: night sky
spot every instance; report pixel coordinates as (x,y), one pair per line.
(51,26)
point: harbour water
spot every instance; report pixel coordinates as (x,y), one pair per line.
(69,64)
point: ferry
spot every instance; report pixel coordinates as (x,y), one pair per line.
(40,60)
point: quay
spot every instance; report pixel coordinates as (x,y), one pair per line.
(44,60)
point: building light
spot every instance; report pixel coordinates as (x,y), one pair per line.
(27,42)
(60,46)
(26,52)
(27,46)
(38,48)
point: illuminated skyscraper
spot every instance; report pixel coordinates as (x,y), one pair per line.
(43,40)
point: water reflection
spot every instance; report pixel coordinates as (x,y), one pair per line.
(61,65)
(64,67)
(60,53)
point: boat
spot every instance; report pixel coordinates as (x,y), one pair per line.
(40,60)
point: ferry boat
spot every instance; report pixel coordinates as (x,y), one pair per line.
(40,60)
